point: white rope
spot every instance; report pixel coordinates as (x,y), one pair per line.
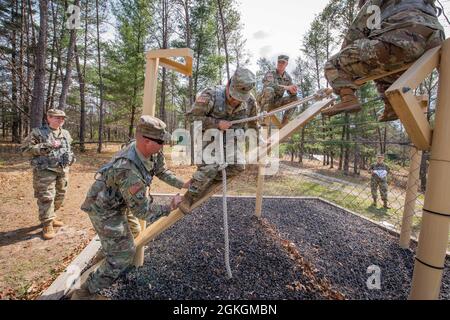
(223,166)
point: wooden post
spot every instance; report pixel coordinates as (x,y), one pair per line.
(433,240)
(411,196)
(154,59)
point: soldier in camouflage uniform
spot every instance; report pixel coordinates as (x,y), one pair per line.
(275,84)
(49,147)
(215,108)
(379,172)
(121,185)
(408,29)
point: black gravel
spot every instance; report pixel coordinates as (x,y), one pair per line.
(187,261)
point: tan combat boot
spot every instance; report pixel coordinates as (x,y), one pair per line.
(349,103)
(57,223)
(47,231)
(389,113)
(84,294)
(185,205)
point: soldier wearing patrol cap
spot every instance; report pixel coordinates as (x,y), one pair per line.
(121,185)
(215,108)
(49,147)
(275,84)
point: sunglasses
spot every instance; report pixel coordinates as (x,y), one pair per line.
(158,141)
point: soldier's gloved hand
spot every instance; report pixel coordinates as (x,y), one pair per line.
(224,125)
(176,200)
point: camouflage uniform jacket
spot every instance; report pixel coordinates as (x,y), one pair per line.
(211,107)
(379,170)
(124,182)
(395,15)
(273,80)
(39,145)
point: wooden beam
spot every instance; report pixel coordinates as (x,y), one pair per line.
(170,53)
(176,66)
(418,71)
(150,85)
(412,117)
(361,81)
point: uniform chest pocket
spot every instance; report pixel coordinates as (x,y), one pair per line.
(109,199)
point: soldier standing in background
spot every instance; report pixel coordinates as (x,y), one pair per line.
(379,172)
(215,108)
(121,185)
(275,84)
(408,29)
(51,154)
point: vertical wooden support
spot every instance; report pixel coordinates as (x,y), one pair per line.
(433,240)
(411,196)
(149,108)
(151,77)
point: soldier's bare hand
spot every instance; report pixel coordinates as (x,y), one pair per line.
(187,184)
(224,125)
(176,200)
(293,89)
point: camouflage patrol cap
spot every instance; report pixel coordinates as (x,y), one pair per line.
(153,128)
(283,57)
(56,113)
(242,82)
(380,155)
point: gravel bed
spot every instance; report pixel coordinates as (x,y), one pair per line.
(303,249)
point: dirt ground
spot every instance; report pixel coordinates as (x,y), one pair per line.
(28,264)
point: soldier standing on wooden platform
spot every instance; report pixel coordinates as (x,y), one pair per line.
(121,185)
(215,108)
(407,30)
(275,84)
(52,155)
(379,172)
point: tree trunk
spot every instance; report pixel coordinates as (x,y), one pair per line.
(225,46)
(82,84)
(99,69)
(37,100)
(68,76)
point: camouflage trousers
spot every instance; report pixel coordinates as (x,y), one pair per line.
(375,56)
(268,100)
(382,184)
(49,189)
(206,175)
(118,247)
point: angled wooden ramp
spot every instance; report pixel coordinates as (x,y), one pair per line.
(162,224)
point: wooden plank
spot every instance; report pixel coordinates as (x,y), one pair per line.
(63,284)
(170,53)
(418,71)
(177,66)
(412,117)
(361,81)
(150,85)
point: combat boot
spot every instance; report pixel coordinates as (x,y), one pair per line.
(185,205)
(389,113)
(57,223)
(349,103)
(84,294)
(47,231)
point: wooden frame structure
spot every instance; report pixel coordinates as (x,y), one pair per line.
(156,58)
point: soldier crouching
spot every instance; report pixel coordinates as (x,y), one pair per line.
(216,108)
(121,188)
(51,154)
